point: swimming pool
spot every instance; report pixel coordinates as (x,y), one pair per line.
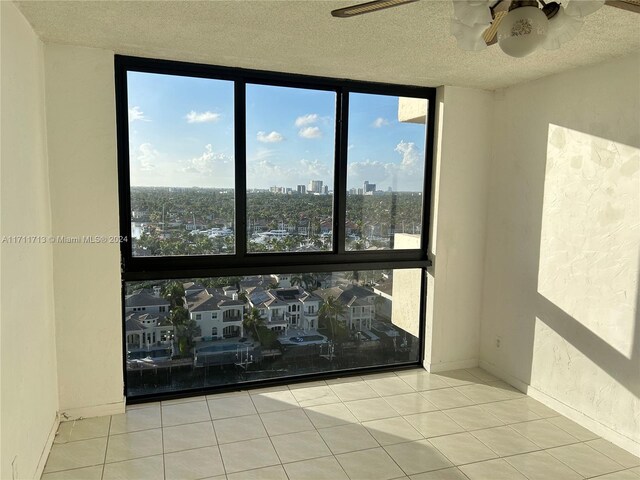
(307,338)
(224,347)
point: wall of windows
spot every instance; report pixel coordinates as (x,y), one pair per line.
(277,225)
(232,330)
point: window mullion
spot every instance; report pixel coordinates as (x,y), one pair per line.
(240,168)
(340,182)
(428,171)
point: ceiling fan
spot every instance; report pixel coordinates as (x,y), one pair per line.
(519,27)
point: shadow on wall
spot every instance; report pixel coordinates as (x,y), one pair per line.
(589,244)
(625,370)
(582,197)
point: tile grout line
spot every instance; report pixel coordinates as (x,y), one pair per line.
(471,432)
(342,425)
(359,423)
(267,431)
(104,463)
(215,435)
(609,456)
(164,468)
(588,446)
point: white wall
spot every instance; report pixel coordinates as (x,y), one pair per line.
(563,240)
(83,176)
(462,158)
(29,387)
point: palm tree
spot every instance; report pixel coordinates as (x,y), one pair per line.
(253,321)
(296,280)
(185,332)
(317,280)
(174,292)
(303,279)
(178,316)
(331,312)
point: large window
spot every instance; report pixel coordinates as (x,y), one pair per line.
(290,169)
(276,225)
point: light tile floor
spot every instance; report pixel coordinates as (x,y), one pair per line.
(410,424)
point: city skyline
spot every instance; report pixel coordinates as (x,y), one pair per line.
(181,133)
(294,189)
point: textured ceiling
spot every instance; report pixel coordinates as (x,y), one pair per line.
(408,44)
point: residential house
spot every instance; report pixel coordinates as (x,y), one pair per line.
(359,302)
(218,315)
(191,288)
(284,308)
(146,332)
(146,301)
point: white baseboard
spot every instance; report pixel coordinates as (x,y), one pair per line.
(444,366)
(47,447)
(580,418)
(93,411)
(511,380)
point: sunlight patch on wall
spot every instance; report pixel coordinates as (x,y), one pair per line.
(590,233)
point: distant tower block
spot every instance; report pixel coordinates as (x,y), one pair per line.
(315,186)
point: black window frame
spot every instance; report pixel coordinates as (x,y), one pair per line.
(135,268)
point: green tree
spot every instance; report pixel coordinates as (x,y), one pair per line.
(252,320)
(174,292)
(330,315)
(185,333)
(254,323)
(179,316)
(305,280)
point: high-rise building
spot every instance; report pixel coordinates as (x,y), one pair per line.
(326,190)
(302,189)
(369,188)
(315,186)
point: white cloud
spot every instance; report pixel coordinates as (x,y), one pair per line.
(262,154)
(267,171)
(351,146)
(207,163)
(409,152)
(310,132)
(273,137)
(315,169)
(136,114)
(380,122)
(307,119)
(405,175)
(203,117)
(373,171)
(145,156)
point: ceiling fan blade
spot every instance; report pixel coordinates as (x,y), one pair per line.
(368,7)
(489,35)
(630,5)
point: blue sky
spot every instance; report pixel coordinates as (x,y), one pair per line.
(181,134)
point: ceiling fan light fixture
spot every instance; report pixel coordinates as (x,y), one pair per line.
(523,29)
(473,12)
(469,37)
(581,8)
(562,28)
